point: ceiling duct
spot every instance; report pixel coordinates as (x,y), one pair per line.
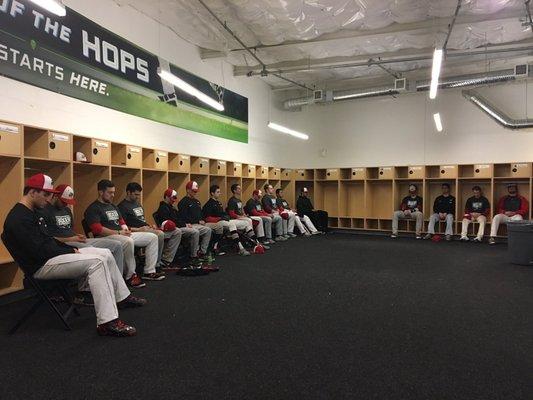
(495,113)
(446,83)
(470,80)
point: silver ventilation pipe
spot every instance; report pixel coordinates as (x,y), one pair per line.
(342,95)
(446,83)
(470,80)
(495,113)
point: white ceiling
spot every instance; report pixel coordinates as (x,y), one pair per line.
(307,39)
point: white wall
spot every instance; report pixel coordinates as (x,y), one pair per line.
(369,132)
(387,131)
(26,104)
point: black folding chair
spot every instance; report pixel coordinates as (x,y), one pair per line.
(43,288)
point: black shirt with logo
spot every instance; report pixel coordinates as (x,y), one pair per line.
(412,203)
(444,204)
(235,205)
(27,238)
(269,203)
(251,205)
(133,213)
(280,202)
(479,205)
(190,210)
(106,214)
(58,221)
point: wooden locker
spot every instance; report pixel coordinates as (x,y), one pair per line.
(416,171)
(521,170)
(358,174)
(59,145)
(100,152)
(184,163)
(483,170)
(332,174)
(386,173)
(448,171)
(10,139)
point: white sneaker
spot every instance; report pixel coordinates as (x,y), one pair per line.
(394,235)
(244,252)
(464,239)
(478,239)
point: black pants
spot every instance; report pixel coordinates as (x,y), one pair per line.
(319,219)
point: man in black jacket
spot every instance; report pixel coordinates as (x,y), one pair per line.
(220,222)
(46,258)
(190,211)
(168,212)
(133,213)
(304,208)
(443,210)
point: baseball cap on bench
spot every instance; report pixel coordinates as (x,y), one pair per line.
(41,182)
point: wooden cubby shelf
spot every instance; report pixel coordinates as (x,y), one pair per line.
(359,198)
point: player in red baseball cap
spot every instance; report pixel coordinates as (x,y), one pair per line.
(59,224)
(190,211)
(46,258)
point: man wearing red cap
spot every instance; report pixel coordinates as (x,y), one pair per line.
(236,213)
(104,220)
(58,218)
(46,258)
(512,207)
(167,215)
(255,209)
(133,213)
(190,211)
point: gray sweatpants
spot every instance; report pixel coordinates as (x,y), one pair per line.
(168,243)
(416,215)
(97,269)
(103,243)
(435,218)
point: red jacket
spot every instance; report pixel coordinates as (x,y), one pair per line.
(524,206)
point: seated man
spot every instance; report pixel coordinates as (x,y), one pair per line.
(168,212)
(304,207)
(59,220)
(133,213)
(269,205)
(104,220)
(236,212)
(254,208)
(219,221)
(477,209)
(47,258)
(444,210)
(190,211)
(411,208)
(283,206)
(512,207)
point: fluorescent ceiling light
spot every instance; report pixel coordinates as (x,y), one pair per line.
(181,84)
(54,6)
(435,73)
(288,131)
(438,122)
